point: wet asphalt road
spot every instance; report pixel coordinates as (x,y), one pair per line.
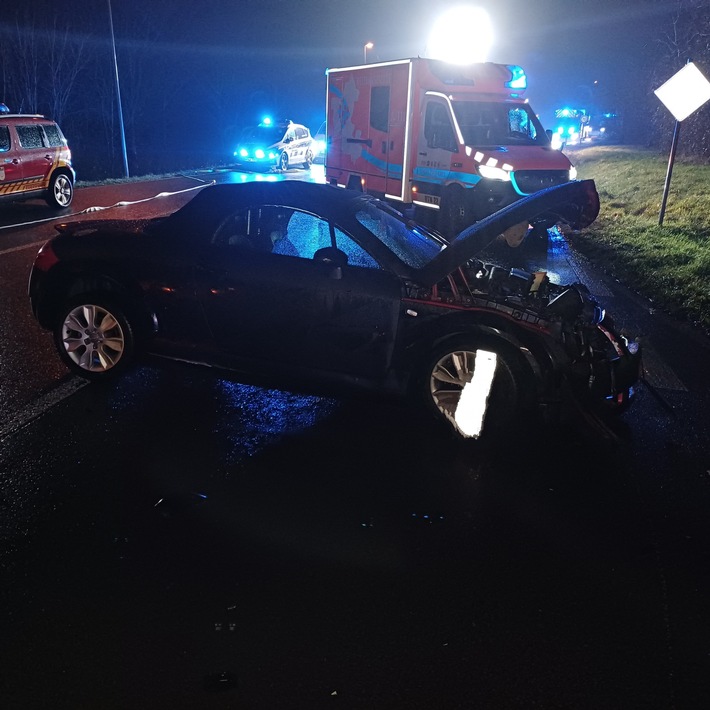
(175,540)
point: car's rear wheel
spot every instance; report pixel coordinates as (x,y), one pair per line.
(309,159)
(283,161)
(477,386)
(61,191)
(94,338)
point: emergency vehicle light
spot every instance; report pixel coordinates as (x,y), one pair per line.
(518,80)
(266,121)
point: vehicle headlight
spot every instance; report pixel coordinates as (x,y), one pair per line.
(493,173)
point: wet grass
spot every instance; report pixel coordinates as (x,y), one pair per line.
(668,263)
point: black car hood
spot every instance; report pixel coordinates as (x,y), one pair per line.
(574,203)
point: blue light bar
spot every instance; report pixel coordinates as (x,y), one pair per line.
(518,80)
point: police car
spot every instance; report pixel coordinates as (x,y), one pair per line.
(277,145)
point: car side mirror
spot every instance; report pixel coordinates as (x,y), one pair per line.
(334,258)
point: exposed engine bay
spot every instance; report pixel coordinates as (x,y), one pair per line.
(567,314)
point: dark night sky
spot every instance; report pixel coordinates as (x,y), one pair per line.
(221,55)
(564,45)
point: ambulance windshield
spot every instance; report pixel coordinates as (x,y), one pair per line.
(487,123)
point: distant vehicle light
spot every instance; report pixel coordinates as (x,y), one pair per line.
(243,153)
(266,121)
(259,153)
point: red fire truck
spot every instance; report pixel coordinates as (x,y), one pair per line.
(455,142)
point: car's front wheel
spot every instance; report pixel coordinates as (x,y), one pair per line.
(476,386)
(283,162)
(61,191)
(94,338)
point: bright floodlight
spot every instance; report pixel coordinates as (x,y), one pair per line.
(462,35)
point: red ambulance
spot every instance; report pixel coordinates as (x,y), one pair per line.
(455,142)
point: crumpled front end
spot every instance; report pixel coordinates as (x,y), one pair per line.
(605,365)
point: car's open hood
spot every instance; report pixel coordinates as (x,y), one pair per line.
(574,203)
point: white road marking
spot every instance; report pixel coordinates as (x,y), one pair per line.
(40,406)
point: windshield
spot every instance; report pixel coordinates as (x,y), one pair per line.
(266,135)
(487,123)
(415,247)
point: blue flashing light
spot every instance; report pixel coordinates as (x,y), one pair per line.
(518,79)
(259,153)
(266,121)
(243,152)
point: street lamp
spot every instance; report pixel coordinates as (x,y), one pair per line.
(369,45)
(118,94)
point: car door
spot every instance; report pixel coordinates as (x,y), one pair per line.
(10,162)
(270,299)
(37,157)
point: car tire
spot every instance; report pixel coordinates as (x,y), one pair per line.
(496,399)
(283,162)
(94,337)
(61,191)
(309,159)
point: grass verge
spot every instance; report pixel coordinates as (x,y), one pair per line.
(668,264)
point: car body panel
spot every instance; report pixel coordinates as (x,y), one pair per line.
(349,299)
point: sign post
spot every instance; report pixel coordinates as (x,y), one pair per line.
(685,92)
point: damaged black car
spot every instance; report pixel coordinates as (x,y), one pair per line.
(296,282)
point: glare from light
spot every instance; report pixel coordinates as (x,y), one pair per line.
(462,35)
(473,402)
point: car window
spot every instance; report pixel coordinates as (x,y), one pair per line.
(411,246)
(287,232)
(4,138)
(30,136)
(54,137)
(306,234)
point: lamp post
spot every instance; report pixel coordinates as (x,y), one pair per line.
(367,46)
(118,94)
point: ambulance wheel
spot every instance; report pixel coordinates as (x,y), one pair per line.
(283,162)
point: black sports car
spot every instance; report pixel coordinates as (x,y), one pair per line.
(302,282)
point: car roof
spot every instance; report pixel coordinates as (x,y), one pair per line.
(25,116)
(207,208)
